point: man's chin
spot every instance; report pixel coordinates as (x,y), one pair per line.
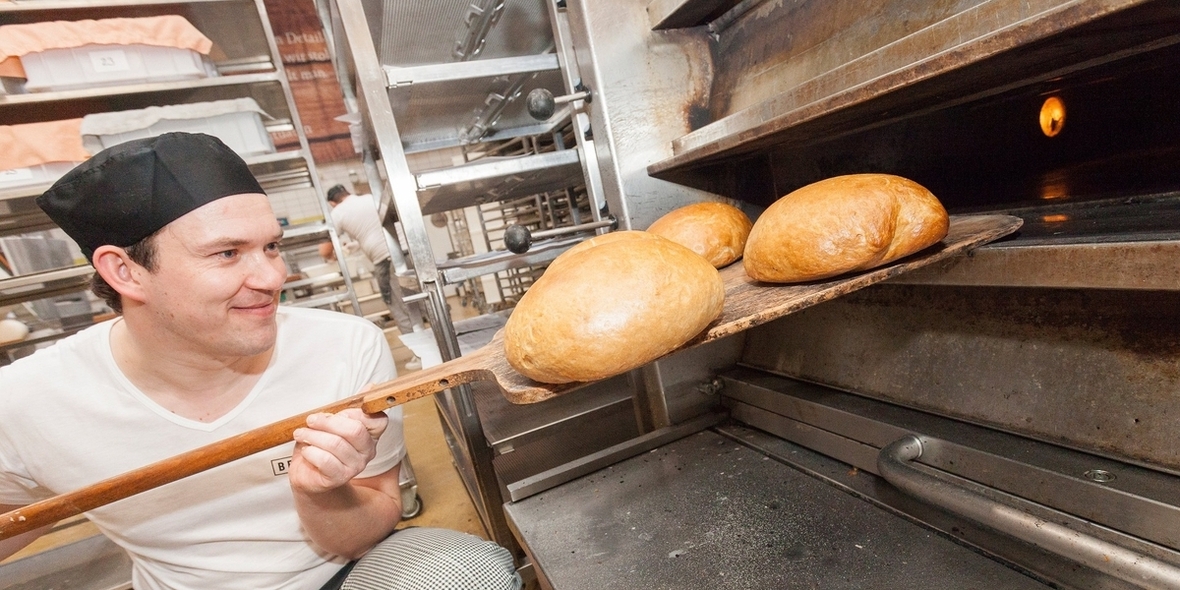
(252,340)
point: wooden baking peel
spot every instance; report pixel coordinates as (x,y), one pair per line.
(748,303)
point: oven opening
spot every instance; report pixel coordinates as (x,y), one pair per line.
(1076,131)
(1090,156)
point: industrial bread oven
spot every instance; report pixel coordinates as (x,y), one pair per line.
(1005,419)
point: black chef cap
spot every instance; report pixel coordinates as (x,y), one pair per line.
(126,192)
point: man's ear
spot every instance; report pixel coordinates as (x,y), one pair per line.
(119,271)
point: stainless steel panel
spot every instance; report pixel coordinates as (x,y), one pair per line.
(1089,369)
(461,269)
(896,465)
(707,512)
(444,111)
(647,85)
(497,179)
(484,68)
(415,33)
(1059,572)
(785,64)
(1136,501)
(670,14)
(679,387)
(1125,243)
(587,463)
(507,425)
(556,455)
(439,114)
(1129,265)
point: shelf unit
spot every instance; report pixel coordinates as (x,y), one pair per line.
(451,76)
(248,65)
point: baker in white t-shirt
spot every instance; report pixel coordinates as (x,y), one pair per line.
(186,249)
(356,216)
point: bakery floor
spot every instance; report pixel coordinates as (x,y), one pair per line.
(445,502)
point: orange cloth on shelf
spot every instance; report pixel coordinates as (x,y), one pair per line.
(31,144)
(161,31)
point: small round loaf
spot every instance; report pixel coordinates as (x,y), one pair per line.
(717,231)
(843,224)
(12,331)
(611,306)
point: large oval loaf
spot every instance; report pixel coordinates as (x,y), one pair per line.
(717,231)
(843,224)
(609,305)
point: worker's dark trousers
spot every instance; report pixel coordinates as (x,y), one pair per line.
(405,315)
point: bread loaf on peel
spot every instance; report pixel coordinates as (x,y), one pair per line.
(843,224)
(717,231)
(596,241)
(609,305)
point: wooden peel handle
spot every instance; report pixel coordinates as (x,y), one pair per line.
(379,398)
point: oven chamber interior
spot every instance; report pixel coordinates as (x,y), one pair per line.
(1076,311)
(1054,355)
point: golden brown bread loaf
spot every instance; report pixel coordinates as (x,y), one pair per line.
(717,231)
(609,305)
(597,241)
(843,224)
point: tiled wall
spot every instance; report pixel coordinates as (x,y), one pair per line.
(434,159)
(297,206)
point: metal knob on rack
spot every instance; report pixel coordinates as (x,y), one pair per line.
(518,238)
(542,104)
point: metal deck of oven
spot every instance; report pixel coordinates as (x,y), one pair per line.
(708,511)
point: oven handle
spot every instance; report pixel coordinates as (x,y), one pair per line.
(893,463)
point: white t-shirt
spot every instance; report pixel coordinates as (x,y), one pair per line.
(356,216)
(70,418)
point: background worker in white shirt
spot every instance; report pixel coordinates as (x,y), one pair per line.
(356,215)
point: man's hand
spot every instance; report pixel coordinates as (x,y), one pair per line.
(342,513)
(334,448)
(327,252)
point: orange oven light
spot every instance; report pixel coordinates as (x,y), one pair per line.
(1052,116)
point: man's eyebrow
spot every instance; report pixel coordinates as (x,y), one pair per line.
(222,243)
(226,243)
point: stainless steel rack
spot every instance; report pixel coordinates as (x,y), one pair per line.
(452,75)
(247,60)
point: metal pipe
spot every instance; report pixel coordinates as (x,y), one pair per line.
(893,463)
(572,229)
(518,238)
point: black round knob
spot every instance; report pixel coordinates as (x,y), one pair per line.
(540,104)
(518,238)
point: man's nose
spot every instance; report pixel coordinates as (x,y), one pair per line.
(266,273)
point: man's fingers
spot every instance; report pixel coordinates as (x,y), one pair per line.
(328,472)
(374,424)
(338,446)
(344,450)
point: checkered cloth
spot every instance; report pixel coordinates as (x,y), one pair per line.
(434,559)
